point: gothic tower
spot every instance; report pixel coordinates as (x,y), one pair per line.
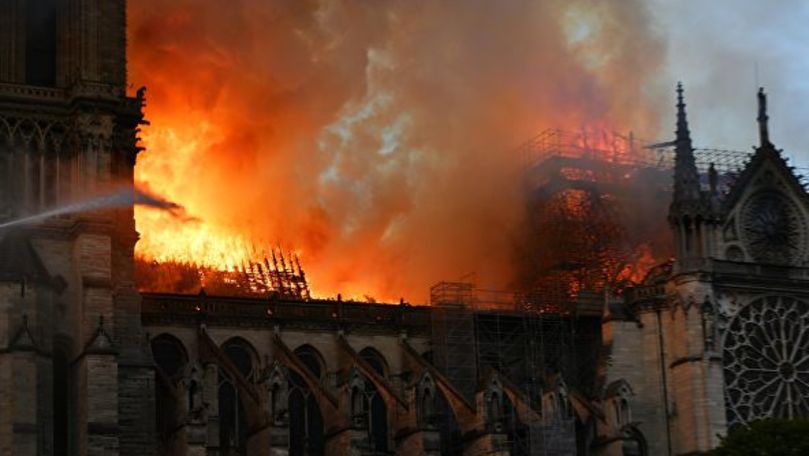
(716,338)
(692,367)
(693,213)
(75,377)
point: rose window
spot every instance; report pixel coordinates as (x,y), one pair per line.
(766,361)
(773,227)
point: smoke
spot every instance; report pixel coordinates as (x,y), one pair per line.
(374,137)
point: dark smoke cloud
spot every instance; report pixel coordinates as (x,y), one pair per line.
(375,136)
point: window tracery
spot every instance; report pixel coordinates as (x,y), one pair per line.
(278,394)
(377,411)
(233,421)
(766,361)
(170,358)
(305,418)
(772,226)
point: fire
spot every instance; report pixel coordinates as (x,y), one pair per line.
(193,243)
(328,130)
(165,238)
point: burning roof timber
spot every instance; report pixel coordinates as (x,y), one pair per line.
(621,150)
(597,203)
(275,274)
(589,187)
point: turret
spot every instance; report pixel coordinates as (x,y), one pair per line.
(686,177)
(692,213)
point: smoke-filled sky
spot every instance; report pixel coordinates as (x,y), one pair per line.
(723,50)
(374,137)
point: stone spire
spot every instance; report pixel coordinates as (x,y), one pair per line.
(763,132)
(686,177)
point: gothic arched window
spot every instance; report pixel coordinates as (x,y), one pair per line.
(448,428)
(312,359)
(375,360)
(170,357)
(169,354)
(242,355)
(377,410)
(305,419)
(232,421)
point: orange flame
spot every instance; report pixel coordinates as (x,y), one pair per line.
(327,128)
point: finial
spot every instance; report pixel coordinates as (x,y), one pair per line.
(763,132)
(683,135)
(686,177)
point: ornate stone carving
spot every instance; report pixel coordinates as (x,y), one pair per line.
(278,394)
(766,360)
(773,228)
(426,395)
(493,397)
(358,401)
(194,384)
(708,313)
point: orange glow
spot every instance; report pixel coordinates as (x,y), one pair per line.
(642,261)
(166,238)
(326,129)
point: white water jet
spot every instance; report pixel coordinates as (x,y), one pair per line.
(119,199)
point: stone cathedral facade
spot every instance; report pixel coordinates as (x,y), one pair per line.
(719,337)
(75,372)
(88,366)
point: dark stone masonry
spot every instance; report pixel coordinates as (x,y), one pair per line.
(88,366)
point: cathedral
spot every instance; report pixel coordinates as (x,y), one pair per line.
(714,339)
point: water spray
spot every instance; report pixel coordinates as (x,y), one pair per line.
(121,198)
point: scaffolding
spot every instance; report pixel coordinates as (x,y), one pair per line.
(597,204)
(579,185)
(476,331)
(453,335)
(622,150)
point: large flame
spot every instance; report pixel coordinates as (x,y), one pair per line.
(372,138)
